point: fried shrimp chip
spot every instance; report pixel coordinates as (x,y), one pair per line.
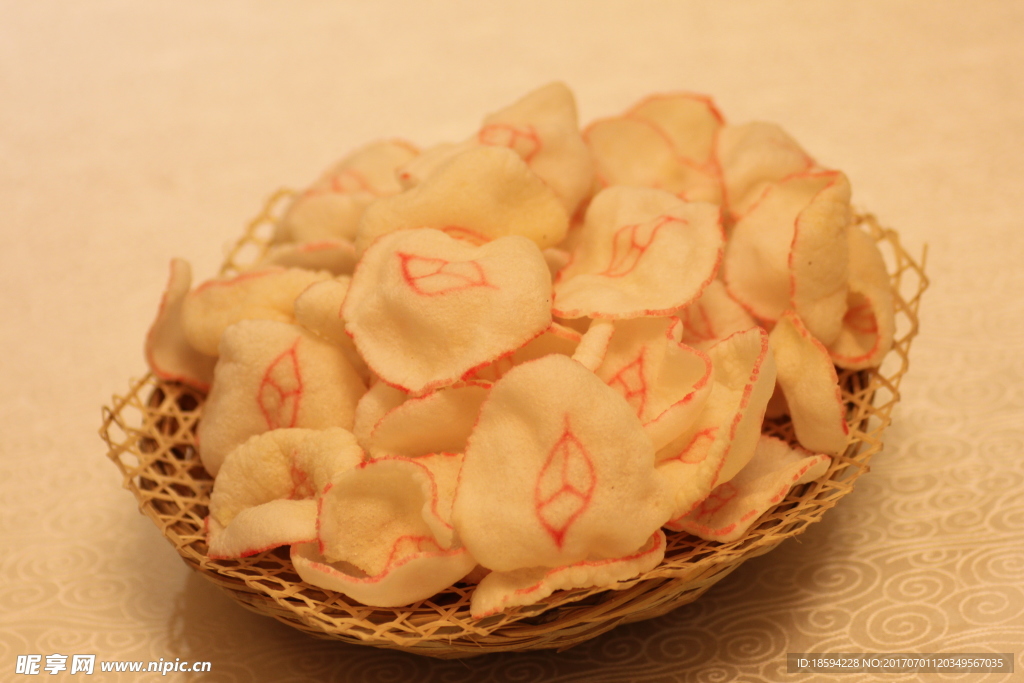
(713,317)
(594,343)
(386,529)
(498,591)
(272,375)
(375,512)
(555,339)
(734,506)
(478,195)
(723,437)
(336,256)
(331,208)
(644,252)
(751,156)
(318,309)
(424,309)
(415,571)
(263,494)
(666,382)
(288,464)
(558,470)
(543,129)
(260,294)
(819,261)
(445,469)
(264,527)
(168,352)
(666,142)
(372,407)
(869,324)
(809,382)
(438,422)
(787,248)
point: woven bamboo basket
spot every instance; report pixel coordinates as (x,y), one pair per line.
(150,432)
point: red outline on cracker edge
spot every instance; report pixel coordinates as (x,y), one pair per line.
(698,387)
(809,164)
(337,185)
(244,553)
(870,356)
(469,375)
(834,175)
(802,330)
(658,546)
(435,496)
(377,578)
(748,389)
(777,497)
(459,384)
(700,97)
(166,375)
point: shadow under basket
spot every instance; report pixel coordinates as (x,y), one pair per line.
(150,432)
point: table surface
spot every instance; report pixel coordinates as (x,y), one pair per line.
(134,132)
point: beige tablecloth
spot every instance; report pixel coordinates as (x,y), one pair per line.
(133,132)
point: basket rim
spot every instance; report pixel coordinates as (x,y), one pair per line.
(149,432)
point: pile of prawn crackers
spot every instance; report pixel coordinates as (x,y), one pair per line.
(513,361)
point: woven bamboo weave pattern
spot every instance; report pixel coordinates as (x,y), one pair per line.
(150,432)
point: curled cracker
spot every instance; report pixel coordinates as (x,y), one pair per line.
(438,422)
(378,511)
(666,382)
(498,591)
(168,352)
(260,528)
(318,309)
(335,256)
(272,375)
(809,382)
(556,339)
(263,496)
(543,129)
(713,317)
(760,268)
(723,437)
(869,325)
(410,575)
(733,507)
